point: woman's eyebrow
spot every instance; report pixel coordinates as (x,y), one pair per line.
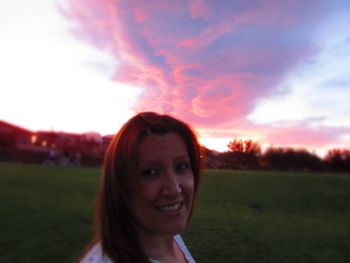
(148,162)
(185,156)
(156,160)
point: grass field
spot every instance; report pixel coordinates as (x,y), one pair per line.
(45,215)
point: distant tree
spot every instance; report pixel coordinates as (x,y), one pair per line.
(242,154)
(208,157)
(338,160)
(244,146)
(291,159)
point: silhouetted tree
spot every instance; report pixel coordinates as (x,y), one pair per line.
(208,157)
(338,160)
(242,154)
(244,146)
(291,159)
(246,154)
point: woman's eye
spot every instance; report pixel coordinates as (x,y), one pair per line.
(181,167)
(150,172)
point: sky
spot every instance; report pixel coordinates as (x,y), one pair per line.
(277,72)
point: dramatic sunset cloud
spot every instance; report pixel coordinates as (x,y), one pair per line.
(232,63)
(209,61)
(274,71)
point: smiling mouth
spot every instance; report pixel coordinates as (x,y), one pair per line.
(172,207)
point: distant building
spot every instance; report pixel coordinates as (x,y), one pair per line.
(106,140)
(12,136)
(22,145)
(16,145)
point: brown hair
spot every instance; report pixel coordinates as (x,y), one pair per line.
(113,226)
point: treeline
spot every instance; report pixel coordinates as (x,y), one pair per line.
(247,155)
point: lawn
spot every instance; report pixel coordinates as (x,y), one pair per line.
(239,217)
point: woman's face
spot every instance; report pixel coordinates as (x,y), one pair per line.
(162,188)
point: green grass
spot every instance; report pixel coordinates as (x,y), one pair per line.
(45,215)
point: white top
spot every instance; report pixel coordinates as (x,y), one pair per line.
(95,253)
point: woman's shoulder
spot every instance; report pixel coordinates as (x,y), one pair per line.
(184,249)
(94,255)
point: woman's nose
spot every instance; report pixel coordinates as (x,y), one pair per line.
(171,184)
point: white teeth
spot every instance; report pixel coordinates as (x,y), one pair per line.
(170,207)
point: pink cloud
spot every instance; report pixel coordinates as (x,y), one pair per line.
(304,136)
(206,62)
(199,9)
(299,135)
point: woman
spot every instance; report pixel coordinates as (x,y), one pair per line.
(150,180)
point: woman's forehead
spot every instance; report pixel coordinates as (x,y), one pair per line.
(169,144)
